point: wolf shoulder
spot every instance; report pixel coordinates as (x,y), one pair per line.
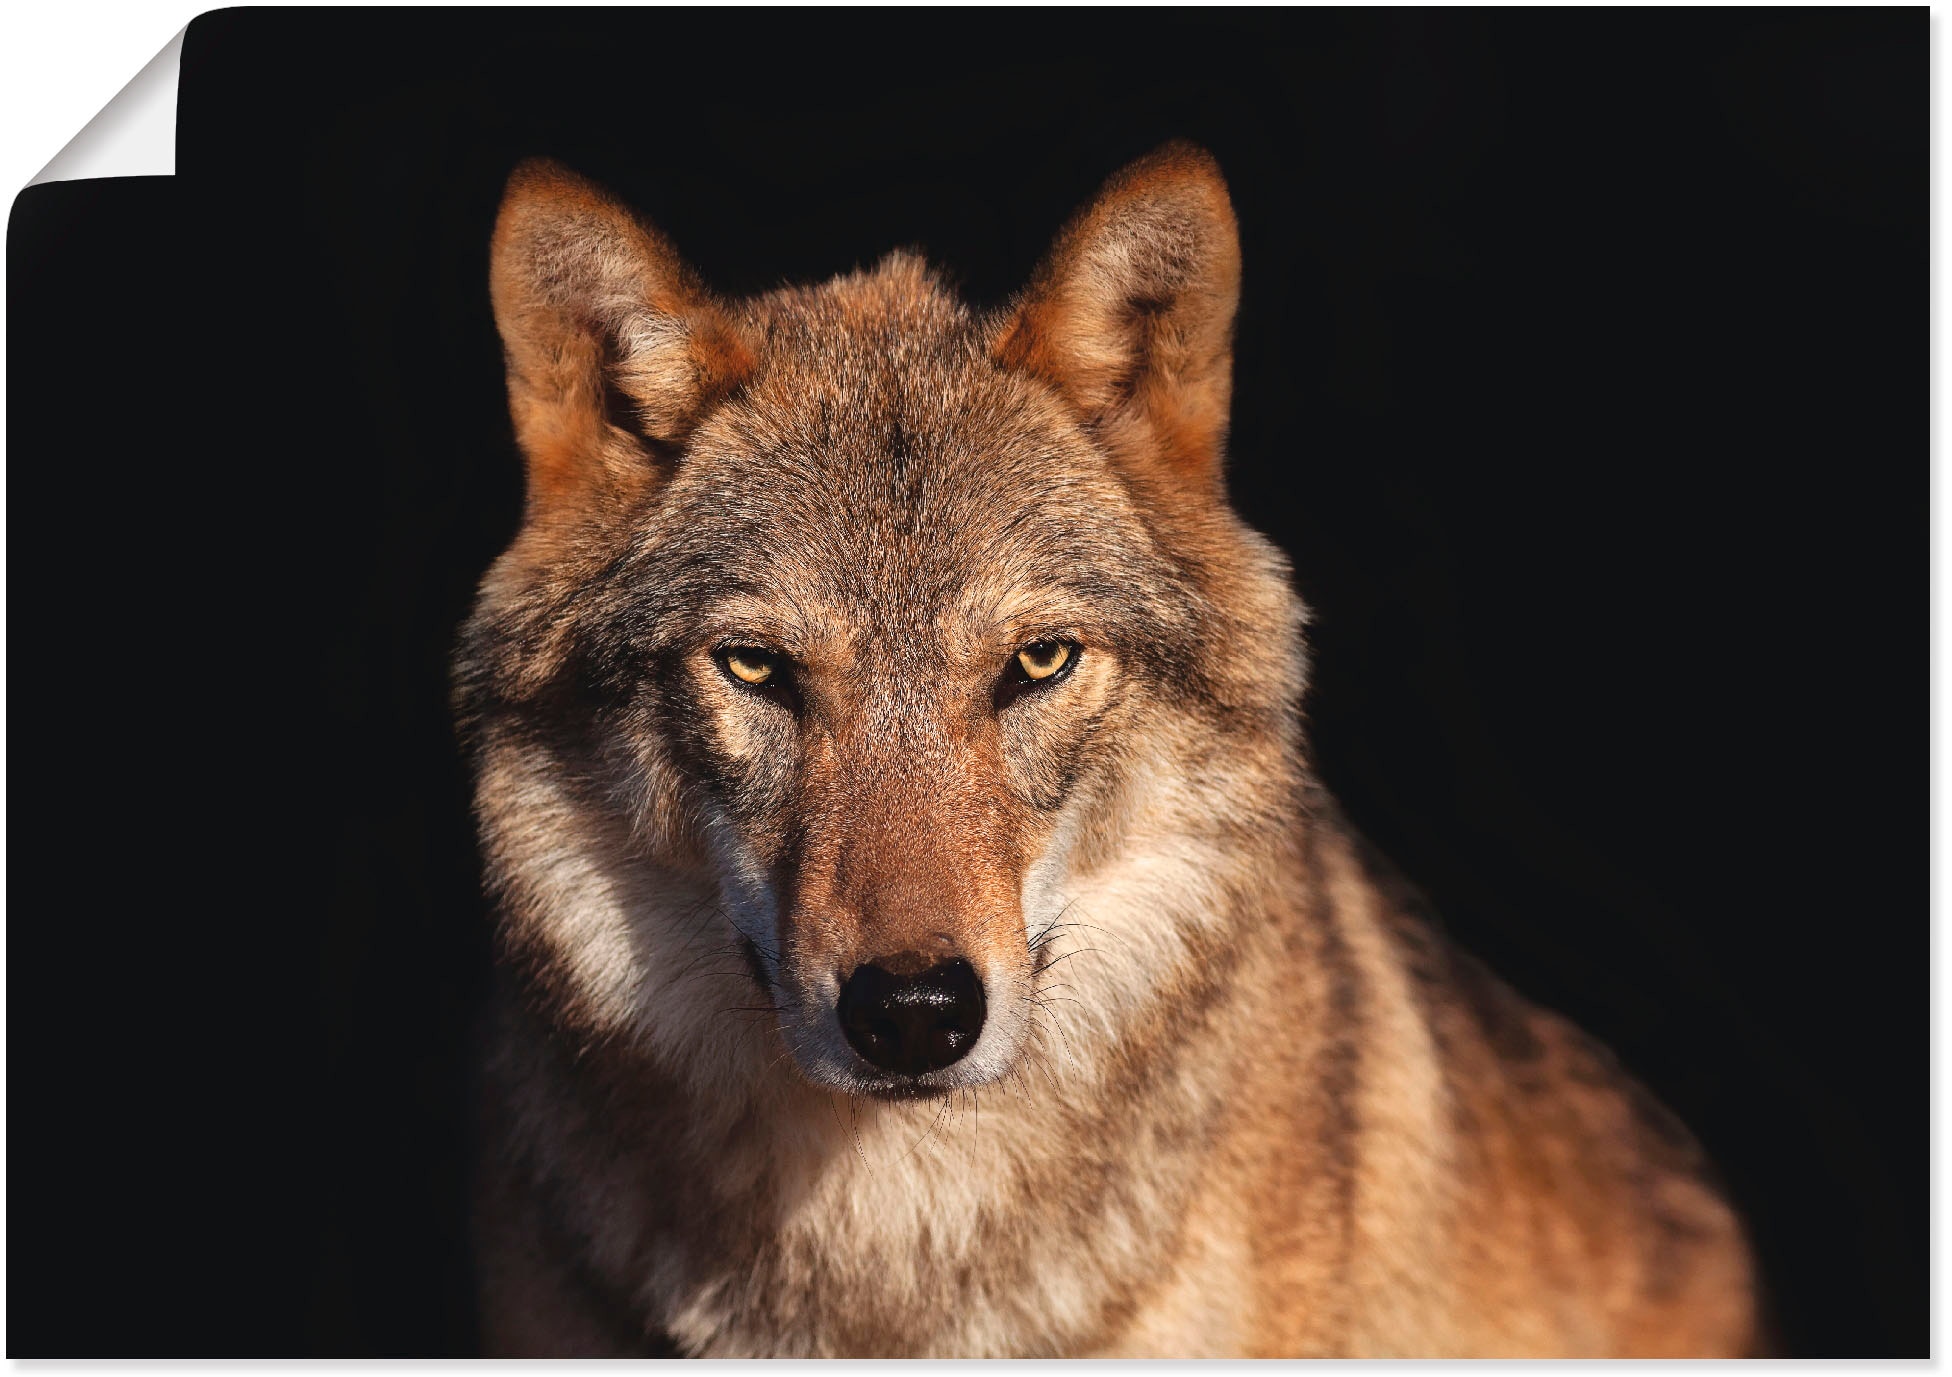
(1583,1204)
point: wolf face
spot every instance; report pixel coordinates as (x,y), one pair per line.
(850,635)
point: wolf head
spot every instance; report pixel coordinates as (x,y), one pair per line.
(858,651)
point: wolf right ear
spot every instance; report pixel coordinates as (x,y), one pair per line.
(613,348)
(1131,315)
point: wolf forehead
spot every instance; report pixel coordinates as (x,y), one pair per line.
(878,461)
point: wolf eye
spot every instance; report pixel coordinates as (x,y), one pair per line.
(1035,666)
(750,666)
(764,672)
(1044,659)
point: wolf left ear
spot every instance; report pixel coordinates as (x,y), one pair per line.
(1131,314)
(613,347)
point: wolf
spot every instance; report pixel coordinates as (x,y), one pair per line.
(920,928)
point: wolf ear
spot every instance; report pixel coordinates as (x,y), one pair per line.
(1131,314)
(613,348)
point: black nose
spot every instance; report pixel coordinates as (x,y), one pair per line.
(909,1019)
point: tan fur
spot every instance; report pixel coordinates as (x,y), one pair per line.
(1231,1098)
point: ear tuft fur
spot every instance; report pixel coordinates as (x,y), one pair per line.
(1131,314)
(613,347)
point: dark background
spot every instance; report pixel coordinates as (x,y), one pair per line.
(1573,370)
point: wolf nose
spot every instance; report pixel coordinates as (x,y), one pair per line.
(909,1017)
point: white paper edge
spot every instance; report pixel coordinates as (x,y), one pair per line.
(134,135)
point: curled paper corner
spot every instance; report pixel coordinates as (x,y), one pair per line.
(134,135)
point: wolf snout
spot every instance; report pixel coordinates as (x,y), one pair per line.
(912,1015)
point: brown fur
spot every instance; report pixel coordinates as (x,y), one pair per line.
(1232,1098)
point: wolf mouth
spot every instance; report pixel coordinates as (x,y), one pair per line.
(904,1091)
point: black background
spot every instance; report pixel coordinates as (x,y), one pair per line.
(1578,363)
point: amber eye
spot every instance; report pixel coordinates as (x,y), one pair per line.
(750,666)
(765,673)
(1044,659)
(1036,666)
